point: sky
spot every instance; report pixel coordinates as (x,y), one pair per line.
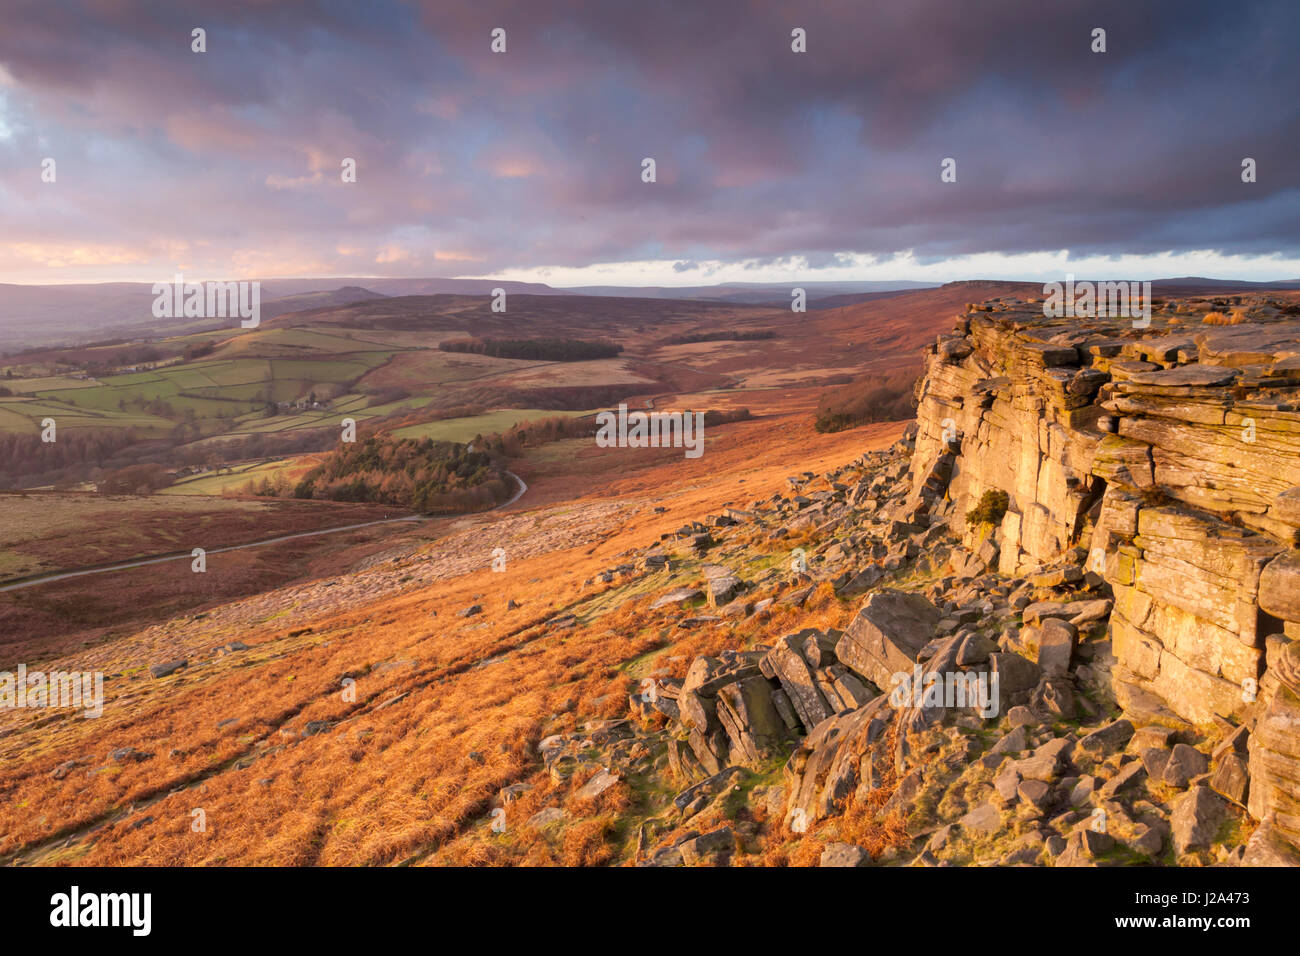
(771,164)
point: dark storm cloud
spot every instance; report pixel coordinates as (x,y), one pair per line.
(472,162)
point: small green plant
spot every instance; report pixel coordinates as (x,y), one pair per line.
(992,506)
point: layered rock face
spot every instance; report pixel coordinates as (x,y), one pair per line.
(1056,622)
(1170,455)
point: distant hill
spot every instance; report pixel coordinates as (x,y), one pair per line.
(893,328)
(554,315)
(317,300)
(852,298)
(1196,285)
(45,315)
(753,293)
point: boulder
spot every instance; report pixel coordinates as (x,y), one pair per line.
(1196,819)
(986,819)
(698,796)
(1108,739)
(1184,763)
(1231,778)
(1055,646)
(750,718)
(844,854)
(851,691)
(1154,760)
(887,634)
(724,588)
(170,667)
(676,596)
(1035,792)
(834,760)
(547,816)
(786,662)
(1084,847)
(1279,587)
(709,849)
(1016,677)
(1130,774)
(1267,848)
(598,784)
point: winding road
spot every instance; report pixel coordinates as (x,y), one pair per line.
(182,555)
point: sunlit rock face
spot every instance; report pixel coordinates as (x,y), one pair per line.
(1169,455)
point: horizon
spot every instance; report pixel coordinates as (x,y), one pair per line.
(915,284)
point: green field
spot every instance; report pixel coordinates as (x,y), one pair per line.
(463,429)
(295,341)
(214,391)
(278,380)
(30,386)
(233,480)
(26,415)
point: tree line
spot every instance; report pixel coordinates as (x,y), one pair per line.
(86,454)
(539,350)
(732,335)
(877,397)
(417,473)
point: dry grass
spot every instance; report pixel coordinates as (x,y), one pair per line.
(861,822)
(1237,317)
(464,703)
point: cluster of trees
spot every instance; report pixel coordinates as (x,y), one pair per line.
(417,473)
(199,349)
(102,355)
(512,442)
(878,397)
(382,396)
(88,454)
(540,350)
(720,336)
(133,356)
(712,418)
(74,456)
(134,480)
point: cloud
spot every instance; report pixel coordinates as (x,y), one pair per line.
(532,158)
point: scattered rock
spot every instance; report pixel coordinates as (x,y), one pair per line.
(163,670)
(1196,819)
(548,816)
(597,785)
(844,854)
(1184,763)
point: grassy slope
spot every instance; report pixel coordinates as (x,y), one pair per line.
(387,786)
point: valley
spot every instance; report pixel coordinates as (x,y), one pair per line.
(653,659)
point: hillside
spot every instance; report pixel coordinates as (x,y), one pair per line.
(1051,622)
(51,315)
(237,397)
